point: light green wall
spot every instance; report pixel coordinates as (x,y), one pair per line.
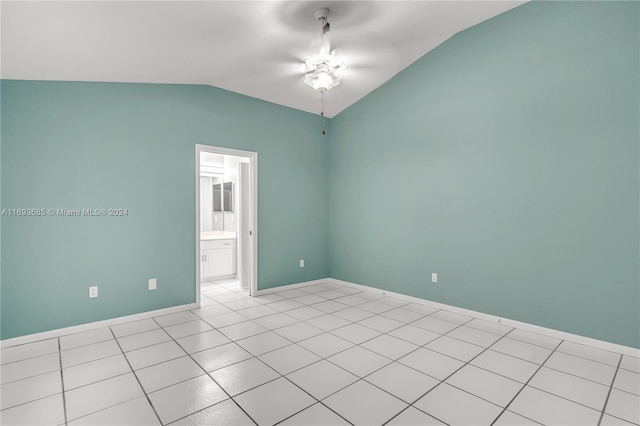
(94,145)
(506,160)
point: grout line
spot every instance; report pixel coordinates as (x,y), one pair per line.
(337,414)
(5,365)
(455,371)
(137,379)
(85,345)
(40,398)
(502,375)
(381,315)
(411,406)
(591,359)
(208,374)
(204,373)
(91,360)
(229,397)
(34,375)
(527,383)
(37,375)
(458,369)
(458,325)
(402,411)
(104,408)
(317,401)
(606,401)
(323,358)
(579,377)
(145,345)
(560,396)
(64,399)
(363,378)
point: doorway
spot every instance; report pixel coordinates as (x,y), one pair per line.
(226,218)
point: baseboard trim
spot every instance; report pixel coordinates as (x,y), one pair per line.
(576,338)
(291,286)
(29,338)
(600,344)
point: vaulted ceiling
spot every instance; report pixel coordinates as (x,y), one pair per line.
(250,47)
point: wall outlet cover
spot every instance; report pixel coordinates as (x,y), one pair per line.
(302,263)
(434,277)
(153,283)
(93,291)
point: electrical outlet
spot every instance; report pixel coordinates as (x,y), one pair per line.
(302,263)
(93,292)
(153,283)
(434,277)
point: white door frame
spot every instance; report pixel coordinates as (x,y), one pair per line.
(253,208)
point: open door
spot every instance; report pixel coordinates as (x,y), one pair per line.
(244,177)
(244,213)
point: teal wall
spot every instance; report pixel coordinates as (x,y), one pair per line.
(506,160)
(94,145)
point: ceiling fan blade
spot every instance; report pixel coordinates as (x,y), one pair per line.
(361,48)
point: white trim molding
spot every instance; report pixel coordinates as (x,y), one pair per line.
(253,216)
(583,340)
(600,344)
(29,338)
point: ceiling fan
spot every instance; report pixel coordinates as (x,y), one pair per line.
(334,47)
(323,71)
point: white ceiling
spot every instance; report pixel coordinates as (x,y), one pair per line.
(249,47)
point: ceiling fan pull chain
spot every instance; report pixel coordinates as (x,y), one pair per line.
(324,131)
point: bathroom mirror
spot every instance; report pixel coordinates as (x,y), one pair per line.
(223,197)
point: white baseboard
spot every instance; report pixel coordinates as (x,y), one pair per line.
(600,344)
(21,340)
(291,286)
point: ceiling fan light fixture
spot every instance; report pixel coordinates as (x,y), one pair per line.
(323,72)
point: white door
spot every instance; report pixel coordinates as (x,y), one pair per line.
(244,175)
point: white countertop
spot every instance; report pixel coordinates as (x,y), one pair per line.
(217,235)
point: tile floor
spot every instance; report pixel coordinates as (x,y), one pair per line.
(322,355)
